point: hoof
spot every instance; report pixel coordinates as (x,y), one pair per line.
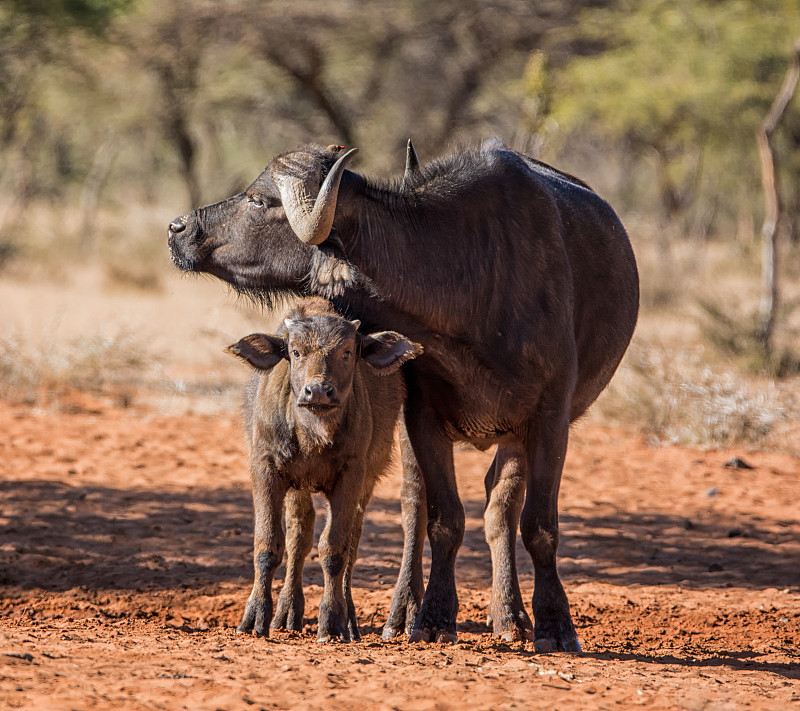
(437,636)
(256,618)
(509,636)
(514,634)
(402,615)
(390,633)
(419,636)
(545,645)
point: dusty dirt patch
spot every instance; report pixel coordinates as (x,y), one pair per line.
(125,562)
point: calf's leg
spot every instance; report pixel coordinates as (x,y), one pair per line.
(299,517)
(505,491)
(268,545)
(334,550)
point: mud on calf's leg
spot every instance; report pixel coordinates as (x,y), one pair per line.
(505,487)
(299,517)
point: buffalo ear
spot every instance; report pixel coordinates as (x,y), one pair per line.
(261,351)
(386,351)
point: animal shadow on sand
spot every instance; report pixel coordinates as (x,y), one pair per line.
(56,537)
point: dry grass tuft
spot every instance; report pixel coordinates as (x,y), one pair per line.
(89,363)
(678,398)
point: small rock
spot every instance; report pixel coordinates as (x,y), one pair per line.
(734,533)
(715,568)
(712,493)
(737,463)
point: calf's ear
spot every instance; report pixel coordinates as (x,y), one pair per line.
(260,350)
(386,351)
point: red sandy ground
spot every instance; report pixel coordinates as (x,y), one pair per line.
(125,561)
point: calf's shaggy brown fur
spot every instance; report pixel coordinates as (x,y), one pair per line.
(319,415)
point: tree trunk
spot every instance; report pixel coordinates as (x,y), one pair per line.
(773,218)
(101,168)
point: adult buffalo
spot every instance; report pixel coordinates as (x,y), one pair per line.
(521,285)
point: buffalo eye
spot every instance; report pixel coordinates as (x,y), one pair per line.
(295,353)
(255,201)
(346,354)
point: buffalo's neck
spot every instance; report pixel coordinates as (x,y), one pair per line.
(395,241)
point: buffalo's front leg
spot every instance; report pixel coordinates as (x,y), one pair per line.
(299,517)
(408,592)
(436,621)
(505,491)
(553,628)
(334,550)
(268,545)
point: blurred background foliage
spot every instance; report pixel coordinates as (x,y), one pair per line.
(117,115)
(119,101)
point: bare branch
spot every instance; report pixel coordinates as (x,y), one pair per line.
(770,231)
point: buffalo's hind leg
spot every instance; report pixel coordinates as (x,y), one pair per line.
(299,516)
(436,621)
(553,628)
(408,591)
(347,583)
(505,492)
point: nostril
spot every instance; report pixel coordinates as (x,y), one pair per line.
(307,392)
(329,392)
(177,225)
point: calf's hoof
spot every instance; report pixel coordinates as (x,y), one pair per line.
(335,625)
(345,636)
(255,618)
(352,630)
(288,615)
(402,614)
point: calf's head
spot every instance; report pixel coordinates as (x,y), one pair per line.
(323,352)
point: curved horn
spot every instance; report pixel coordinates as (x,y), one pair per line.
(412,163)
(311,219)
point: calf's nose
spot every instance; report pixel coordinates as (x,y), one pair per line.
(178,224)
(318,394)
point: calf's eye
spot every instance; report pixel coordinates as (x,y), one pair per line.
(295,353)
(347,354)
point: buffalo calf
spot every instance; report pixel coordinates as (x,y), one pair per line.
(319,415)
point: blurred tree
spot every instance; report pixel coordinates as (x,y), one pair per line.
(681,84)
(34,35)
(775,218)
(322,70)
